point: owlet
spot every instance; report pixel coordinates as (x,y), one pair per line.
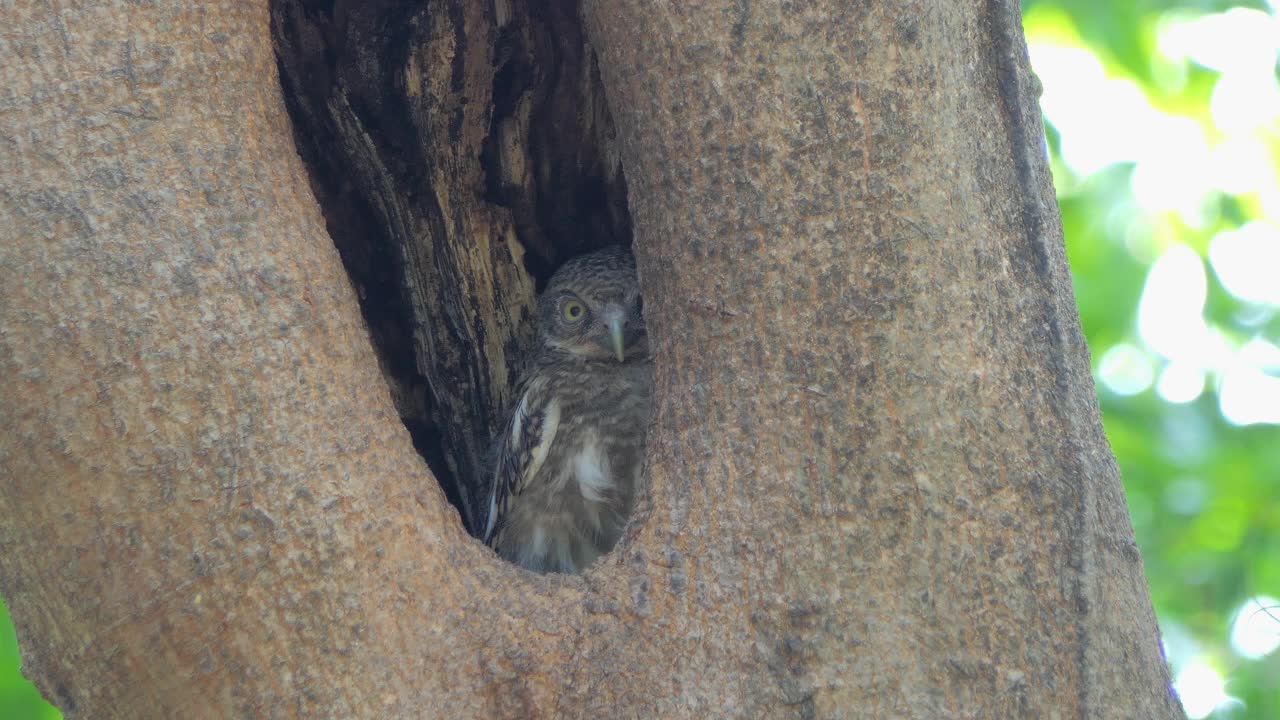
(567,464)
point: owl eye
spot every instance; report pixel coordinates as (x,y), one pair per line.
(573,311)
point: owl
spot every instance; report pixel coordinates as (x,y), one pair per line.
(567,463)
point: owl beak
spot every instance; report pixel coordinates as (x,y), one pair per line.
(615,338)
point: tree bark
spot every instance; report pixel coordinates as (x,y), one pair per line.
(879,485)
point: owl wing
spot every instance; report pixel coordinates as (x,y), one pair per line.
(522,449)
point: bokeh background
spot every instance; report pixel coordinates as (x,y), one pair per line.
(1163,122)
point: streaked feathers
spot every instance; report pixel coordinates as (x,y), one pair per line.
(567,464)
(532,431)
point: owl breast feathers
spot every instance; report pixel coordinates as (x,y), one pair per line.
(566,466)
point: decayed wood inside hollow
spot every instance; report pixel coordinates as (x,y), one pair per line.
(460,153)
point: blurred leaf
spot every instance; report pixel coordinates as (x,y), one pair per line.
(1204,494)
(19,699)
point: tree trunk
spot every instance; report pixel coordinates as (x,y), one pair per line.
(879,485)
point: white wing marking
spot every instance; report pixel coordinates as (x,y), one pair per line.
(591,468)
(550,423)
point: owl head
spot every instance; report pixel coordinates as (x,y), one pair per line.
(591,308)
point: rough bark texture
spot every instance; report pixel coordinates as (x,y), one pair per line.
(879,482)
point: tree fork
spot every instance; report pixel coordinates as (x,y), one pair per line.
(879,481)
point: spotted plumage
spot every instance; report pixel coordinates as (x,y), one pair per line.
(566,465)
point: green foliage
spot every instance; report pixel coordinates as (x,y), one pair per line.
(19,699)
(1204,494)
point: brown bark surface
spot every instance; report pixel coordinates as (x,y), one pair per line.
(879,482)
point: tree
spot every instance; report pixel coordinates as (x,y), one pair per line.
(879,484)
